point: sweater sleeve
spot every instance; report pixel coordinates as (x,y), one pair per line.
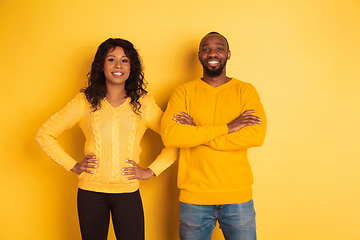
(47,135)
(247,137)
(182,135)
(169,154)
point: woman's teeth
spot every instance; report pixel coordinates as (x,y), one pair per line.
(117,73)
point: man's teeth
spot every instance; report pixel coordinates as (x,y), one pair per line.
(213,62)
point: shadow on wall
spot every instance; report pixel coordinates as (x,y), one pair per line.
(160,194)
(190,69)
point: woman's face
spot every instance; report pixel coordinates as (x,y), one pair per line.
(116,67)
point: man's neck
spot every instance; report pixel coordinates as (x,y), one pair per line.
(216,81)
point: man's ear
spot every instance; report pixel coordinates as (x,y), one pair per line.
(229,55)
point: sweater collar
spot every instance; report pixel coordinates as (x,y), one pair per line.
(219,88)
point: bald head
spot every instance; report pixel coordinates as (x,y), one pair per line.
(214,34)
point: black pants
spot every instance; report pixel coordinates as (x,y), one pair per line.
(94,215)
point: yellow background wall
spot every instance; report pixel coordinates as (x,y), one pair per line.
(303,56)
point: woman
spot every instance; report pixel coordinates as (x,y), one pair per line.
(113,111)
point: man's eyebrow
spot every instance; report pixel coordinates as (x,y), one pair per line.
(221,44)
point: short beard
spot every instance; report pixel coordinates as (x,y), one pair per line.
(213,72)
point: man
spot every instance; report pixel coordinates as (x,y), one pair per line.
(214,120)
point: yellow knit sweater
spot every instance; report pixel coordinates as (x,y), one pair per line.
(113,135)
(213,165)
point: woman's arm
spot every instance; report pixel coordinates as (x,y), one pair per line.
(47,135)
(167,156)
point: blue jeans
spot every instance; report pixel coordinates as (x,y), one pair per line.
(237,221)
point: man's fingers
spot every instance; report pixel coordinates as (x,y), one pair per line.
(255,121)
(181,117)
(184,121)
(251,117)
(185,115)
(247,112)
(247,117)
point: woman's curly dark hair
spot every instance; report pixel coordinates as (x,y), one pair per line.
(134,86)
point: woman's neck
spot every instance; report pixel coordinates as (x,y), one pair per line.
(116,95)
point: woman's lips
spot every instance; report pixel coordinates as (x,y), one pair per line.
(117,74)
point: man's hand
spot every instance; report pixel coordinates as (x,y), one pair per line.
(183,119)
(137,171)
(244,120)
(86,165)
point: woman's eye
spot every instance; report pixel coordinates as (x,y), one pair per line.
(124,60)
(111,60)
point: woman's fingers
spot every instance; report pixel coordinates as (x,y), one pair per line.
(130,170)
(132,162)
(89,164)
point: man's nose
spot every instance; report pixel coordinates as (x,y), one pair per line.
(212,52)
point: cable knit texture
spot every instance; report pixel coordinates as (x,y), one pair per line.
(112,134)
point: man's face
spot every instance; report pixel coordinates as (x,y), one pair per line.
(213,54)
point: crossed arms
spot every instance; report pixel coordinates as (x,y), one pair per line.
(245,131)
